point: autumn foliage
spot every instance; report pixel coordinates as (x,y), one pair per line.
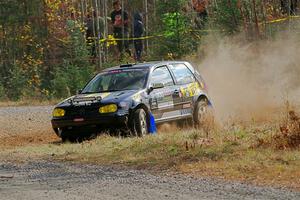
(42,43)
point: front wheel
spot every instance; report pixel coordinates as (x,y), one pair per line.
(66,135)
(140,122)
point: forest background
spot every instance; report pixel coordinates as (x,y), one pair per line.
(44,53)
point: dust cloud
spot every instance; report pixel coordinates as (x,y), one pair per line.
(246,81)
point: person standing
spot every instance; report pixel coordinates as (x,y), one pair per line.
(200,6)
(289,7)
(93,35)
(119,19)
(138,30)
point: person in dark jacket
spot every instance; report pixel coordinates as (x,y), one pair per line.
(93,35)
(119,19)
(138,30)
(200,6)
(289,7)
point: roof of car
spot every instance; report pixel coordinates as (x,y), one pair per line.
(143,65)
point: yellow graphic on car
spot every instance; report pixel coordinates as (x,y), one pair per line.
(191,90)
(137,97)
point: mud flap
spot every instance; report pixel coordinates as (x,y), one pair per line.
(152,126)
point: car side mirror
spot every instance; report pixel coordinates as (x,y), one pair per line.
(155,86)
(158,85)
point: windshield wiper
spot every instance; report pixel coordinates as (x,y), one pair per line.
(100,91)
(88,92)
(109,91)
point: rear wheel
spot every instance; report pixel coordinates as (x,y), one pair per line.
(203,115)
(140,122)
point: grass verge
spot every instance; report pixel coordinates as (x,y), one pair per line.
(29,102)
(230,154)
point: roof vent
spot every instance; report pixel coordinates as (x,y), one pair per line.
(127,65)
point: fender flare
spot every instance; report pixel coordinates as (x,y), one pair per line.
(202,95)
(138,106)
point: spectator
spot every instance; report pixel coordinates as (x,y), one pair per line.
(92,33)
(294,7)
(289,8)
(200,6)
(138,30)
(119,18)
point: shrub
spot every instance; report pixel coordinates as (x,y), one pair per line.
(176,26)
(76,70)
(288,136)
(69,78)
(2,92)
(15,83)
(226,16)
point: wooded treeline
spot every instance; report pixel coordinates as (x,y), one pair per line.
(44,52)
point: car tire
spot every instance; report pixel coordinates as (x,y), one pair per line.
(65,139)
(140,123)
(65,136)
(203,114)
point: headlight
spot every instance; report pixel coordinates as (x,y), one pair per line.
(58,112)
(108,108)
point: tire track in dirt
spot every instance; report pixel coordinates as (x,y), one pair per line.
(25,125)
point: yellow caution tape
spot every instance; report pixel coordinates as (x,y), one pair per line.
(111,40)
(128,39)
(283,19)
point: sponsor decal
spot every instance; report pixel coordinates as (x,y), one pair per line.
(101,95)
(165,105)
(137,97)
(187,105)
(170,114)
(186,111)
(114,71)
(191,90)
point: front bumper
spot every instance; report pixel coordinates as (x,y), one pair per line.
(113,121)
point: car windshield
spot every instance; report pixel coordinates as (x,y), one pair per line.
(116,80)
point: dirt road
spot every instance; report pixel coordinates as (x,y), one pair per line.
(58,180)
(54,180)
(24,125)
(24,120)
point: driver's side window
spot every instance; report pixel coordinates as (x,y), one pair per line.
(162,75)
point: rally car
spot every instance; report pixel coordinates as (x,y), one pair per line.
(132,97)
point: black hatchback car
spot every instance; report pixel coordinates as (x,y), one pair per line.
(127,97)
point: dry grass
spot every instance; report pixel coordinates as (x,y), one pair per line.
(287,135)
(29,102)
(229,153)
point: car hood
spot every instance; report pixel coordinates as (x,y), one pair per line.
(103,98)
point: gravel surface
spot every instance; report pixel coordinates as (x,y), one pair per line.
(55,180)
(23,120)
(58,180)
